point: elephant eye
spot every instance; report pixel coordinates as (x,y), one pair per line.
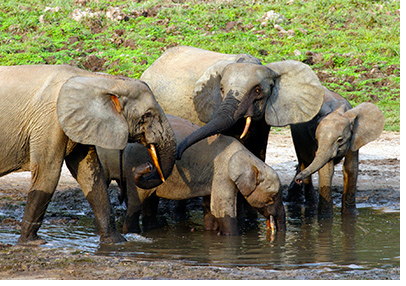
(257,90)
(340,140)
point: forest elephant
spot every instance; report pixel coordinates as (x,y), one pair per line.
(338,131)
(54,113)
(219,166)
(233,94)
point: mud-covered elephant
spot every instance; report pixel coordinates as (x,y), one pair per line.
(338,131)
(50,114)
(224,93)
(219,166)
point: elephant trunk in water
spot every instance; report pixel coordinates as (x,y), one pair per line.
(275,214)
(224,119)
(321,158)
(163,158)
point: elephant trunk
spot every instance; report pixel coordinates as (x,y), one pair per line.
(321,158)
(165,151)
(277,211)
(223,120)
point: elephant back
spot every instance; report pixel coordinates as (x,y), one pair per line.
(173,75)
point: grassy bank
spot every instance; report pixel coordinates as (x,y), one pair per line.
(354,46)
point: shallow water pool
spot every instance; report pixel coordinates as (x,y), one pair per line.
(368,241)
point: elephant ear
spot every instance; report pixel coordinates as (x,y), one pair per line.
(206,94)
(89,112)
(368,123)
(243,173)
(297,95)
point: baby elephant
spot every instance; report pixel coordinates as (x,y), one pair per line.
(219,166)
(337,131)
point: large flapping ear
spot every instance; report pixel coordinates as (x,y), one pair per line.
(243,173)
(368,123)
(89,111)
(206,94)
(297,95)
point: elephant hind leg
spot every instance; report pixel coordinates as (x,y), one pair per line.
(45,174)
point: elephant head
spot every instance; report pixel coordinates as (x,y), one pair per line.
(283,93)
(110,112)
(259,184)
(344,130)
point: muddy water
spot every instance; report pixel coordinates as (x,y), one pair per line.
(369,241)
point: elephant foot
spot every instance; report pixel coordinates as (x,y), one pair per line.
(349,211)
(210,222)
(325,212)
(114,237)
(31,241)
(228,226)
(150,223)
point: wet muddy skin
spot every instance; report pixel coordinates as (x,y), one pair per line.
(366,246)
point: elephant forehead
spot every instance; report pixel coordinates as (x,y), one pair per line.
(244,75)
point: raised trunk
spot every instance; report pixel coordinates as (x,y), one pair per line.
(223,120)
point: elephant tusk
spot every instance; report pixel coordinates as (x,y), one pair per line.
(270,224)
(154,157)
(247,126)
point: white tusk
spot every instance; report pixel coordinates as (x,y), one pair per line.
(247,126)
(270,224)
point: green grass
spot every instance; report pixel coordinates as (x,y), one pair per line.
(353,46)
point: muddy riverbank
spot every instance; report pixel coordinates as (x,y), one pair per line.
(378,190)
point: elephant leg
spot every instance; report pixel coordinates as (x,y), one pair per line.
(209,221)
(179,213)
(350,170)
(45,173)
(85,167)
(223,206)
(310,193)
(150,213)
(325,208)
(295,191)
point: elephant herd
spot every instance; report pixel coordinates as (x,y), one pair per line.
(196,124)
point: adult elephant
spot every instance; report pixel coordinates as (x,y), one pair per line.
(229,92)
(338,131)
(54,113)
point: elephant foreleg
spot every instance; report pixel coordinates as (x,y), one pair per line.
(350,170)
(325,208)
(223,206)
(85,167)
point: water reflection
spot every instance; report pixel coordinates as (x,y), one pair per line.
(369,240)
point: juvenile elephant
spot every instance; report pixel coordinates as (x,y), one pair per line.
(228,91)
(218,166)
(337,131)
(50,114)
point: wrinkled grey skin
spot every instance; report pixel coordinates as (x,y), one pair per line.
(337,132)
(54,113)
(219,167)
(218,91)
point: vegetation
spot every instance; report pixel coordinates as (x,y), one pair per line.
(353,45)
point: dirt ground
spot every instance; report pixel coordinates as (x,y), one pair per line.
(379,184)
